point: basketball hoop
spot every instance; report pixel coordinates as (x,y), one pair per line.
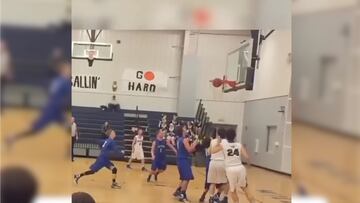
(92,55)
(217,82)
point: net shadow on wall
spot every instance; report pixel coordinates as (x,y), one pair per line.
(92,50)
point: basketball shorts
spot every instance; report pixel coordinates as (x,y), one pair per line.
(185,171)
(100,163)
(217,174)
(47,117)
(158,165)
(138,154)
(236,176)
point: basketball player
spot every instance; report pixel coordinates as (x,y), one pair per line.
(185,148)
(158,155)
(206,145)
(171,134)
(217,175)
(103,160)
(235,171)
(137,150)
(55,109)
(74,136)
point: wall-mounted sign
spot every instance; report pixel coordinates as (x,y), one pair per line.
(85,81)
(144,81)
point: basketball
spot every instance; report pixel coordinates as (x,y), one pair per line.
(231,83)
(217,82)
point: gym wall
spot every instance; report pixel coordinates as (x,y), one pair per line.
(326,89)
(272,78)
(56,12)
(211,51)
(193,59)
(254,110)
(138,50)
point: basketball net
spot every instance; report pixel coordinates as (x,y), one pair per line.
(217,82)
(91,57)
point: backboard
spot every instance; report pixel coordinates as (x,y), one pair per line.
(237,63)
(92,50)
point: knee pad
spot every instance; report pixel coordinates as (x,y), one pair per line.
(114,170)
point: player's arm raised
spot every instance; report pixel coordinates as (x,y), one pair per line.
(153,150)
(190,147)
(171,146)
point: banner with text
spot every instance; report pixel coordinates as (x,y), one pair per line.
(144,80)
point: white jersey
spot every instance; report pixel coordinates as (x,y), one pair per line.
(138,152)
(219,156)
(138,141)
(232,152)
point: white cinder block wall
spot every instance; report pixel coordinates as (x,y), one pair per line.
(211,51)
(163,51)
(272,79)
(138,50)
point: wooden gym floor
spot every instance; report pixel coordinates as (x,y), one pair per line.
(136,188)
(45,154)
(324,163)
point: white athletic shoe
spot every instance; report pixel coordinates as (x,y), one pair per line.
(76,178)
(115,185)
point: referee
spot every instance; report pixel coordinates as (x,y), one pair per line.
(74,136)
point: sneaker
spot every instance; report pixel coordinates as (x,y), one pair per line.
(128,166)
(214,199)
(225,200)
(115,185)
(177,193)
(143,169)
(148,178)
(182,198)
(76,178)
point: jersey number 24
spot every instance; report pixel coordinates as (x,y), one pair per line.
(233,152)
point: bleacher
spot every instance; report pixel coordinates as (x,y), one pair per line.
(90,120)
(30,49)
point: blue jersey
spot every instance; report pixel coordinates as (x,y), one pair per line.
(159,163)
(59,99)
(59,96)
(184,161)
(160,149)
(104,160)
(182,151)
(108,146)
